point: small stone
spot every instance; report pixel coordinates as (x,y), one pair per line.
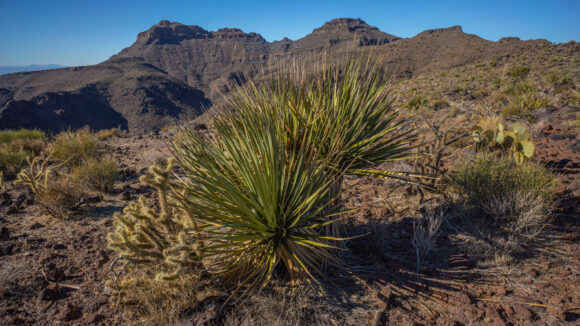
(95,318)
(126,195)
(51,292)
(522,312)
(527,281)
(35,226)
(70,312)
(556,311)
(94,199)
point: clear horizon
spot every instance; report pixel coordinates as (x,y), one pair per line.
(73,33)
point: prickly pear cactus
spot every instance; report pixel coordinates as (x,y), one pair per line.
(516,142)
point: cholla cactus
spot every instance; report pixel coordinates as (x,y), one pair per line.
(157,239)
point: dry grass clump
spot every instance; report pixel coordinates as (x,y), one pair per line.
(506,205)
(108,133)
(425,234)
(16,146)
(72,148)
(556,77)
(518,72)
(138,299)
(63,175)
(9,136)
(191,300)
(96,174)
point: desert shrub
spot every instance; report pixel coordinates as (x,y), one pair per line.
(108,133)
(264,200)
(55,191)
(416,102)
(523,104)
(507,196)
(559,77)
(62,175)
(32,146)
(98,174)
(72,147)
(8,136)
(518,72)
(11,162)
(16,146)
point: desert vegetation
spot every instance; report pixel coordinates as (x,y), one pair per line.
(62,175)
(329,192)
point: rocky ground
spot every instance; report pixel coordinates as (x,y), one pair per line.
(52,272)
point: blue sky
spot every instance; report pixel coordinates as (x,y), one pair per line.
(83,32)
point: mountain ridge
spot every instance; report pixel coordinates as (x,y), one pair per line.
(175,71)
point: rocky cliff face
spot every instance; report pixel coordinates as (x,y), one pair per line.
(175,71)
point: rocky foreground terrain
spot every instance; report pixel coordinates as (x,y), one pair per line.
(53,272)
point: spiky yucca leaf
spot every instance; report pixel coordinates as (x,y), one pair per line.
(346,107)
(263,199)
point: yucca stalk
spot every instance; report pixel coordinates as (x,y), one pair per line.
(263,201)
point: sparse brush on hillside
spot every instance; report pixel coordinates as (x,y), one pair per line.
(53,189)
(108,133)
(64,173)
(73,147)
(98,174)
(510,202)
(559,77)
(16,146)
(518,72)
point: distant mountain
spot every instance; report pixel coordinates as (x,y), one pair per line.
(175,71)
(12,69)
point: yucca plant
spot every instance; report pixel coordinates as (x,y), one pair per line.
(347,107)
(261,201)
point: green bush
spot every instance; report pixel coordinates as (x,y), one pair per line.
(518,72)
(16,146)
(73,147)
(8,136)
(417,102)
(502,192)
(97,174)
(11,162)
(559,77)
